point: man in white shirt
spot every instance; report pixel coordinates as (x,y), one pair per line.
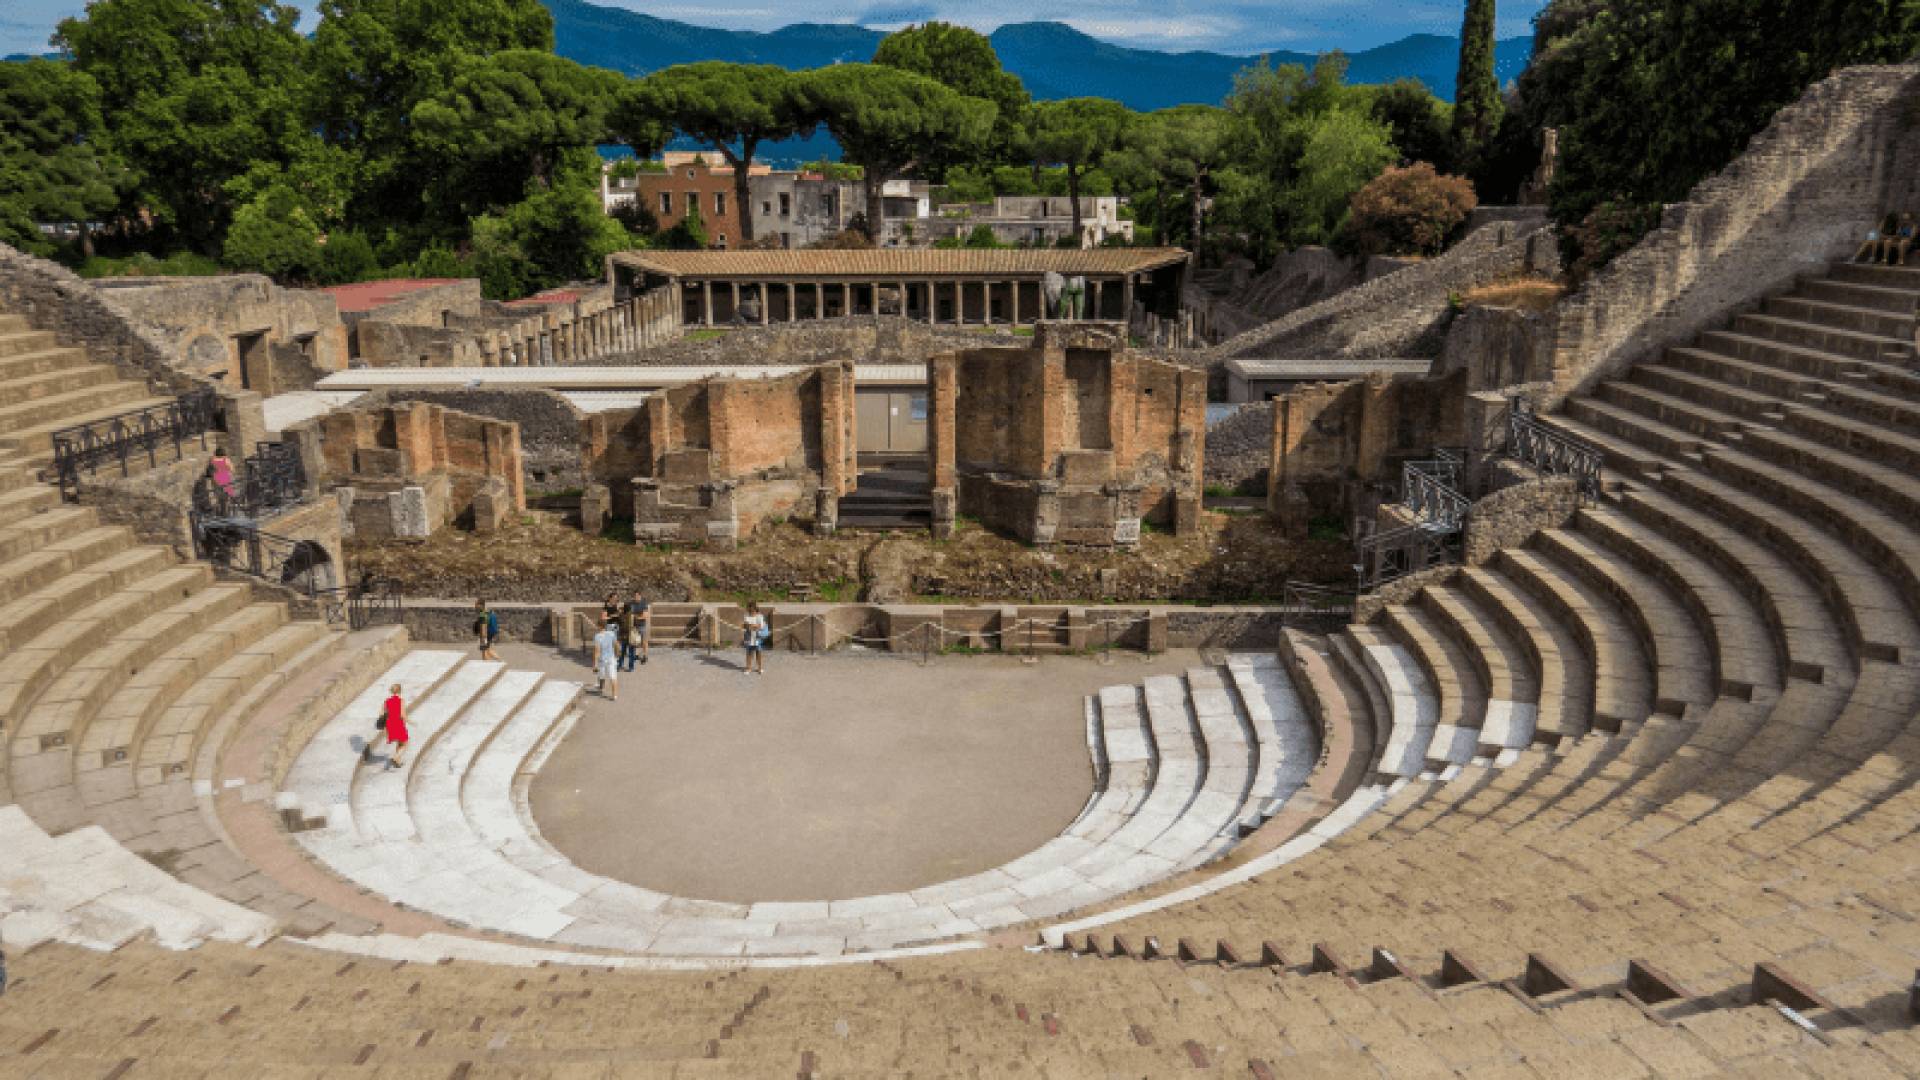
(606,659)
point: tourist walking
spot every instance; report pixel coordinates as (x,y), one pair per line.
(606,659)
(639,624)
(755,635)
(392,729)
(486,626)
(222,467)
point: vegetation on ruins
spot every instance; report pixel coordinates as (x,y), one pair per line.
(415,137)
(1408,211)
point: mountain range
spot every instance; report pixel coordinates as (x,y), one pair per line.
(1053,59)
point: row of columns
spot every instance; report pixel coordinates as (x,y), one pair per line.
(1094,300)
(638,322)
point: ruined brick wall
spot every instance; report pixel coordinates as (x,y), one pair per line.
(381,449)
(1075,439)
(1805,191)
(1334,442)
(864,339)
(777,441)
(200,322)
(1240,449)
(1510,516)
(384,344)
(550,427)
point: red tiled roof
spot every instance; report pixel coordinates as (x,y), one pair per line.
(550,296)
(367,295)
(882,263)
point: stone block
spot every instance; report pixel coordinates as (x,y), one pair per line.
(723,535)
(491,506)
(596,502)
(410,512)
(686,466)
(656,532)
(1126,531)
(1089,467)
(379,461)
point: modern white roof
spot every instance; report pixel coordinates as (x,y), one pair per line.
(591,378)
(591,401)
(1328,370)
(285,410)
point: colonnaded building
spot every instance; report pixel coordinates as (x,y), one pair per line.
(1595,758)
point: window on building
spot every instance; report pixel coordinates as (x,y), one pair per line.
(786,205)
(786,239)
(666,202)
(693,202)
(689,172)
(766,208)
(720,241)
(719,203)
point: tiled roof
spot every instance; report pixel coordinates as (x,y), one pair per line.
(368,295)
(882,263)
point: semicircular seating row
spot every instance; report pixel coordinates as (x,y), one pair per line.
(1183,767)
(1723,660)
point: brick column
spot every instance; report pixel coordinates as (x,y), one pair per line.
(942,394)
(932,307)
(793,311)
(766,303)
(1013,307)
(706,303)
(1098,311)
(1126,298)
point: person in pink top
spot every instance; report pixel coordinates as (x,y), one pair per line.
(222,469)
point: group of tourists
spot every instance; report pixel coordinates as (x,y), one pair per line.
(1891,242)
(622,640)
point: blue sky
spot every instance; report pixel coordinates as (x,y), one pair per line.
(1230,26)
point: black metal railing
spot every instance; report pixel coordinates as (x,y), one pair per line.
(1533,443)
(1387,556)
(1304,603)
(1431,489)
(270,480)
(240,546)
(121,440)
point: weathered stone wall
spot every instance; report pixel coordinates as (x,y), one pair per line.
(427,306)
(1510,516)
(1240,449)
(732,452)
(409,468)
(550,427)
(152,502)
(201,319)
(1802,195)
(382,344)
(52,298)
(1404,313)
(1499,347)
(1334,443)
(865,340)
(1075,440)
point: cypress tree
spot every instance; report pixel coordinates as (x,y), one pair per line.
(1476,91)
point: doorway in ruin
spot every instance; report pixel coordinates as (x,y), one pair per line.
(894,488)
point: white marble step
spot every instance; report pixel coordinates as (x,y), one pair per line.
(433,789)
(1412,706)
(380,794)
(83,888)
(1289,739)
(321,780)
(487,793)
(1232,751)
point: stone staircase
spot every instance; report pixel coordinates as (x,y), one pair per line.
(1697,704)
(1184,767)
(45,386)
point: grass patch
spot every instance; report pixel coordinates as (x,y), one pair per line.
(705,334)
(618,530)
(839,590)
(1326,528)
(1219,491)
(1527,294)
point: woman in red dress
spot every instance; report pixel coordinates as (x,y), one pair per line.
(393,731)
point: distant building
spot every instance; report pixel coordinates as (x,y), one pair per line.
(802,208)
(1034,220)
(677,181)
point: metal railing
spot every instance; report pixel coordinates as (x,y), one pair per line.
(1388,556)
(270,480)
(1304,603)
(1532,443)
(240,546)
(124,438)
(1431,490)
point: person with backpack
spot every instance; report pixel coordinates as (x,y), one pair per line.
(486,626)
(636,622)
(755,634)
